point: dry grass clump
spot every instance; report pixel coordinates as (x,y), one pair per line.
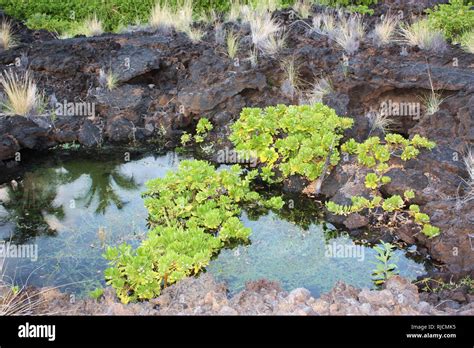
(209,17)
(346,30)
(292,79)
(262,6)
(234,11)
(324,23)
(467,185)
(6,35)
(253,57)
(379,121)
(161,16)
(164,16)
(432,102)
(350,31)
(319,89)
(108,79)
(195,34)
(469,163)
(21,92)
(266,32)
(422,35)
(92,27)
(385,30)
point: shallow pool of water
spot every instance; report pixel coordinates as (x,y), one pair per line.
(71,209)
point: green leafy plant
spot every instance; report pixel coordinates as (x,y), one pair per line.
(375,154)
(385,269)
(96,293)
(453,19)
(203,127)
(362,9)
(193,213)
(291,139)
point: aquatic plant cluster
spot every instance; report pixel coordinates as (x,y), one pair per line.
(194,212)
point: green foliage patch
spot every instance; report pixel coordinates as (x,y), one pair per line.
(66,15)
(203,127)
(193,213)
(385,268)
(292,139)
(453,19)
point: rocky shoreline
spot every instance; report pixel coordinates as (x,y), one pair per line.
(204,296)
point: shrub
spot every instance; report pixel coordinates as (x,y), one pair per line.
(193,213)
(292,139)
(453,19)
(375,155)
(203,127)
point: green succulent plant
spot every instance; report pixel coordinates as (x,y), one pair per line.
(375,154)
(292,139)
(193,213)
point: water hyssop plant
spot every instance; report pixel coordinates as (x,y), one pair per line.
(193,213)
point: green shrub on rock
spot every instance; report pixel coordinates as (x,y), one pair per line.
(375,154)
(292,139)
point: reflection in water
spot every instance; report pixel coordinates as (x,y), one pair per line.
(72,209)
(29,203)
(103,177)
